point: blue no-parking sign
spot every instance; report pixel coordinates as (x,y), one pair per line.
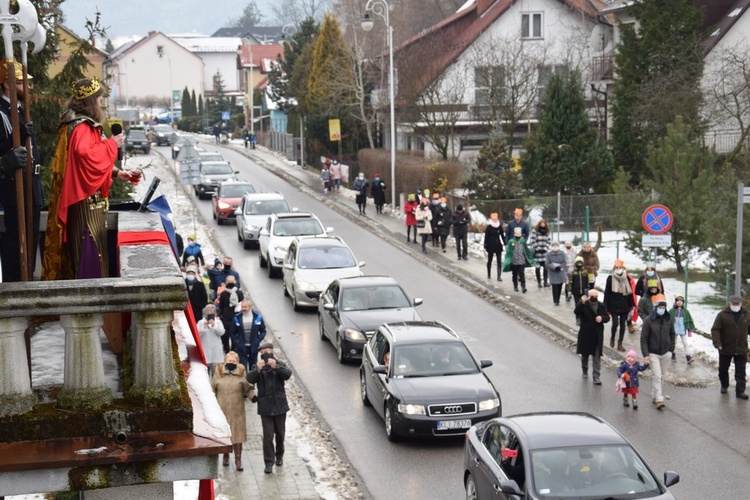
(657,219)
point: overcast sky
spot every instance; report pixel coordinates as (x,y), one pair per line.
(138,17)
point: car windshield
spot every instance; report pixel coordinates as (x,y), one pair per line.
(373,297)
(325,258)
(235,190)
(137,134)
(297,227)
(163,129)
(433,360)
(266,207)
(216,169)
(591,472)
(211,157)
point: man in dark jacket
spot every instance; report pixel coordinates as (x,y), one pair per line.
(460,222)
(197,295)
(657,345)
(593,315)
(517,221)
(729,334)
(230,296)
(269,376)
(248,331)
(228,270)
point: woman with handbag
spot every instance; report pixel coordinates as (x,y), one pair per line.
(423,214)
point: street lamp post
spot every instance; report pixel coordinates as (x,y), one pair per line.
(381,8)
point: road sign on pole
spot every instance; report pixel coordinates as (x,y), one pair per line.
(656,240)
(657,219)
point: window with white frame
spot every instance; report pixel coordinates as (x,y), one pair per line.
(489,82)
(531,25)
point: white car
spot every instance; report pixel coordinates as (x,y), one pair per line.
(253,213)
(278,233)
(312,263)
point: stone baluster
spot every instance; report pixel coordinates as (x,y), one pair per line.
(84,385)
(15,384)
(154,375)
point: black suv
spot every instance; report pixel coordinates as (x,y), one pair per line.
(137,139)
(423,380)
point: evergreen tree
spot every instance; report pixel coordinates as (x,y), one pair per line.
(193,104)
(659,67)
(220,102)
(185,103)
(250,17)
(200,106)
(108,47)
(280,75)
(331,59)
(495,177)
(562,154)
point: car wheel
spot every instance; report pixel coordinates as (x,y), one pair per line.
(261,260)
(340,355)
(220,221)
(471,488)
(321,329)
(297,308)
(389,424)
(363,388)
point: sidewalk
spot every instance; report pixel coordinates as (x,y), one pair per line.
(534,307)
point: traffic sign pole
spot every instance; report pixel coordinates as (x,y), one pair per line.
(743,196)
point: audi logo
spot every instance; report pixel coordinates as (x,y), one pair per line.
(453,409)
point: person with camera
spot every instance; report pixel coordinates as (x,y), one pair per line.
(247,332)
(210,331)
(269,375)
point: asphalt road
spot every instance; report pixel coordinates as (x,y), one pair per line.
(702,435)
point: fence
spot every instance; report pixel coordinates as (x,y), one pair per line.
(284,143)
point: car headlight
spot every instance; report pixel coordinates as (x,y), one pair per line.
(305,286)
(352,334)
(410,409)
(489,404)
(224,206)
(176,148)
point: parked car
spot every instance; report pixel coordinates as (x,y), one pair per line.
(161,134)
(276,236)
(184,141)
(421,378)
(311,263)
(351,309)
(253,213)
(227,198)
(213,173)
(554,456)
(137,139)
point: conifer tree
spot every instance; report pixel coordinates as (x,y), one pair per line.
(327,92)
(495,177)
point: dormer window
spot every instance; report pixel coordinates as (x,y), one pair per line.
(531,25)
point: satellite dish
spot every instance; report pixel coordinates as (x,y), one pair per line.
(600,37)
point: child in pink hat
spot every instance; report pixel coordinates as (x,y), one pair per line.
(628,378)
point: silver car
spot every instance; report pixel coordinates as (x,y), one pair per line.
(212,174)
(253,213)
(280,229)
(312,263)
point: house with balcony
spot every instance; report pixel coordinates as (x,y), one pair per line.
(486,67)
(113,432)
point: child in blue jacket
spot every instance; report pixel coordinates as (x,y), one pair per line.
(628,378)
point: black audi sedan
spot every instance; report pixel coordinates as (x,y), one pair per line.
(420,377)
(351,309)
(556,455)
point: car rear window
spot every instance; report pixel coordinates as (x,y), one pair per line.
(266,207)
(297,227)
(216,169)
(235,190)
(325,258)
(212,157)
(375,297)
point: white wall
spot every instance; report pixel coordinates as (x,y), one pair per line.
(226,64)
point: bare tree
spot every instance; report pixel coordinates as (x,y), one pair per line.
(727,94)
(295,11)
(508,80)
(438,110)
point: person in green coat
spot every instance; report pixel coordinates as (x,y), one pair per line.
(683,326)
(517,258)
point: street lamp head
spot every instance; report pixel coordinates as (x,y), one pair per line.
(367,23)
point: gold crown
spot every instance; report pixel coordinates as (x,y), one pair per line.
(85,91)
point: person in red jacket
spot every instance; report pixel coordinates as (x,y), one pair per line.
(410,205)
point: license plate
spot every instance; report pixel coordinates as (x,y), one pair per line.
(443,425)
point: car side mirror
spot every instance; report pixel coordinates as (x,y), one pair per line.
(362,263)
(671,478)
(295,210)
(510,487)
(378,369)
(329,230)
(236,171)
(485,363)
(417,301)
(328,306)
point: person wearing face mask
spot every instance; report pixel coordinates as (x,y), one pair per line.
(193,249)
(197,295)
(269,376)
(683,326)
(377,191)
(360,187)
(618,298)
(554,264)
(230,298)
(210,330)
(657,346)
(493,245)
(423,214)
(443,219)
(593,316)
(410,205)
(434,204)
(228,270)
(517,258)
(231,387)
(248,331)
(729,335)
(539,243)
(644,286)
(570,258)
(578,284)
(590,262)
(460,222)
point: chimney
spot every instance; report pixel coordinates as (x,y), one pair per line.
(483,5)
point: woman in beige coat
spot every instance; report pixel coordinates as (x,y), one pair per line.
(423,214)
(230,387)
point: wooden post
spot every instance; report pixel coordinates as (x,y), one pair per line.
(21,206)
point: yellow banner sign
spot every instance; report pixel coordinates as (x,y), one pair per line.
(334,129)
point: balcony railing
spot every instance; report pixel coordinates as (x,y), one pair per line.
(602,68)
